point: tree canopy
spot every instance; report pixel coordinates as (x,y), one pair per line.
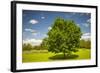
(63,37)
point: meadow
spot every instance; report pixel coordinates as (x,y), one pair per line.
(44,55)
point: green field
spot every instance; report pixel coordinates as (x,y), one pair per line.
(43,56)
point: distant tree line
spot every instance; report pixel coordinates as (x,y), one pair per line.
(28,47)
(85,44)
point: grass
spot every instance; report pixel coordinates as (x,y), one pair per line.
(43,56)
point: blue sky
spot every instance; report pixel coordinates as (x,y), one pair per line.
(37,23)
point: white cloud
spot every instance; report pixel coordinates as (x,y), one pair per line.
(89,21)
(29,30)
(81,14)
(33,21)
(34,42)
(42,17)
(86,24)
(49,28)
(84,14)
(78,24)
(87,13)
(45,35)
(34,32)
(74,13)
(86,36)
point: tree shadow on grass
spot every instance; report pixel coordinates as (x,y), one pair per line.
(61,57)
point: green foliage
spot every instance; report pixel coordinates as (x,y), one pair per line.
(27,47)
(40,47)
(36,47)
(63,37)
(85,44)
(43,44)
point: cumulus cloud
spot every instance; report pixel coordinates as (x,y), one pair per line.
(86,24)
(33,21)
(42,17)
(78,24)
(81,14)
(87,13)
(34,42)
(45,35)
(73,13)
(34,32)
(30,30)
(49,28)
(89,21)
(86,36)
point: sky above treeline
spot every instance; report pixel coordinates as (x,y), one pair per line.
(36,24)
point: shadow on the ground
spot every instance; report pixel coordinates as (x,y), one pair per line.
(61,57)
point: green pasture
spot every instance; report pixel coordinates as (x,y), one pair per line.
(44,55)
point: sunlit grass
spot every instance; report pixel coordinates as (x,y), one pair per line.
(43,56)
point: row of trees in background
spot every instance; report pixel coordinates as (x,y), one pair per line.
(85,44)
(28,47)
